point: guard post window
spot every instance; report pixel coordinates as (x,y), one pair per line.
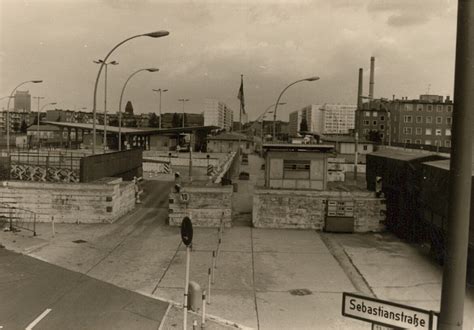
(296,169)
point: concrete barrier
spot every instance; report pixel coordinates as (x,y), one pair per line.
(102,201)
(206,206)
(307,209)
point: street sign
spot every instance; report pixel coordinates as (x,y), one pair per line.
(385,313)
(186,231)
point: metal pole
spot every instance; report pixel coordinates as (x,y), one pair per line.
(191,156)
(105,109)
(454,270)
(356,154)
(186,283)
(159,118)
(203,315)
(209,275)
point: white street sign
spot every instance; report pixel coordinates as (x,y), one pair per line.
(385,313)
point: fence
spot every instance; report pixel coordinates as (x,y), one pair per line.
(15,218)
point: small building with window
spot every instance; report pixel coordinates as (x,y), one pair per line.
(297,166)
(346,145)
(228,142)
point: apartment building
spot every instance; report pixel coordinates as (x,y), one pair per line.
(217,113)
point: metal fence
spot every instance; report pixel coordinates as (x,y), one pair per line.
(14,218)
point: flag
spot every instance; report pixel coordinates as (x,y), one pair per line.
(240,96)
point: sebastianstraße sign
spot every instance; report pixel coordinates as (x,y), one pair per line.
(385,313)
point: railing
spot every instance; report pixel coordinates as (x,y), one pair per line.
(15,218)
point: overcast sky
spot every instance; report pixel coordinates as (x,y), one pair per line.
(272,43)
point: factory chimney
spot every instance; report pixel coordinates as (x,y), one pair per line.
(360,87)
(371,85)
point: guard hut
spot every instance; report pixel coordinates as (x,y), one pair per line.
(297,166)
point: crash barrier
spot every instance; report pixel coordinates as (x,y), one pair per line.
(13,218)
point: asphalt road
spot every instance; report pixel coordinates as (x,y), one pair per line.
(29,287)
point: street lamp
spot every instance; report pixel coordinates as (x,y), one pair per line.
(120,102)
(8,108)
(160,90)
(38,120)
(278,100)
(156,34)
(183,100)
(105,99)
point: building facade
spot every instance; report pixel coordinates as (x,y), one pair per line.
(425,121)
(324,119)
(22,101)
(218,114)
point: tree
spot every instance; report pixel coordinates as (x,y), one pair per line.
(176,122)
(24,127)
(129,108)
(16,127)
(374,136)
(303,125)
(153,120)
(113,122)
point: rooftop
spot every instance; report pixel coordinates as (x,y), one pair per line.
(298,147)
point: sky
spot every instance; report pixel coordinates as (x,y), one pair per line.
(272,43)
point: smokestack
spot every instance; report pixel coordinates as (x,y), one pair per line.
(359,90)
(372,69)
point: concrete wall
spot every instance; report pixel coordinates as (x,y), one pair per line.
(125,164)
(206,206)
(98,202)
(307,209)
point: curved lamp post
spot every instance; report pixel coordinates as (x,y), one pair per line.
(8,108)
(38,121)
(278,100)
(160,90)
(120,102)
(156,34)
(105,98)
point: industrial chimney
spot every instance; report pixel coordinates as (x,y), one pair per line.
(371,85)
(360,87)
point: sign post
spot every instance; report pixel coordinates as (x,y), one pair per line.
(385,313)
(187,238)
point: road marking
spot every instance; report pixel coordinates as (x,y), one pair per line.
(38,319)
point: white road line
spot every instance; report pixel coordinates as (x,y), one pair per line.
(38,319)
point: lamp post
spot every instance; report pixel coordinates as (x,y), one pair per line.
(8,108)
(105,99)
(120,102)
(278,100)
(156,34)
(38,119)
(160,90)
(183,100)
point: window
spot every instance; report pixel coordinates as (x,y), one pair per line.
(419,119)
(430,107)
(382,126)
(417,141)
(439,120)
(367,113)
(438,132)
(428,131)
(447,143)
(449,120)
(375,122)
(365,147)
(407,140)
(419,107)
(408,107)
(374,114)
(429,120)
(428,142)
(366,122)
(381,135)
(296,169)
(419,131)
(450,108)
(407,130)
(439,108)
(447,132)
(407,119)
(382,118)
(366,131)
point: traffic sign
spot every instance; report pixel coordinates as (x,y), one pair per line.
(385,313)
(186,231)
